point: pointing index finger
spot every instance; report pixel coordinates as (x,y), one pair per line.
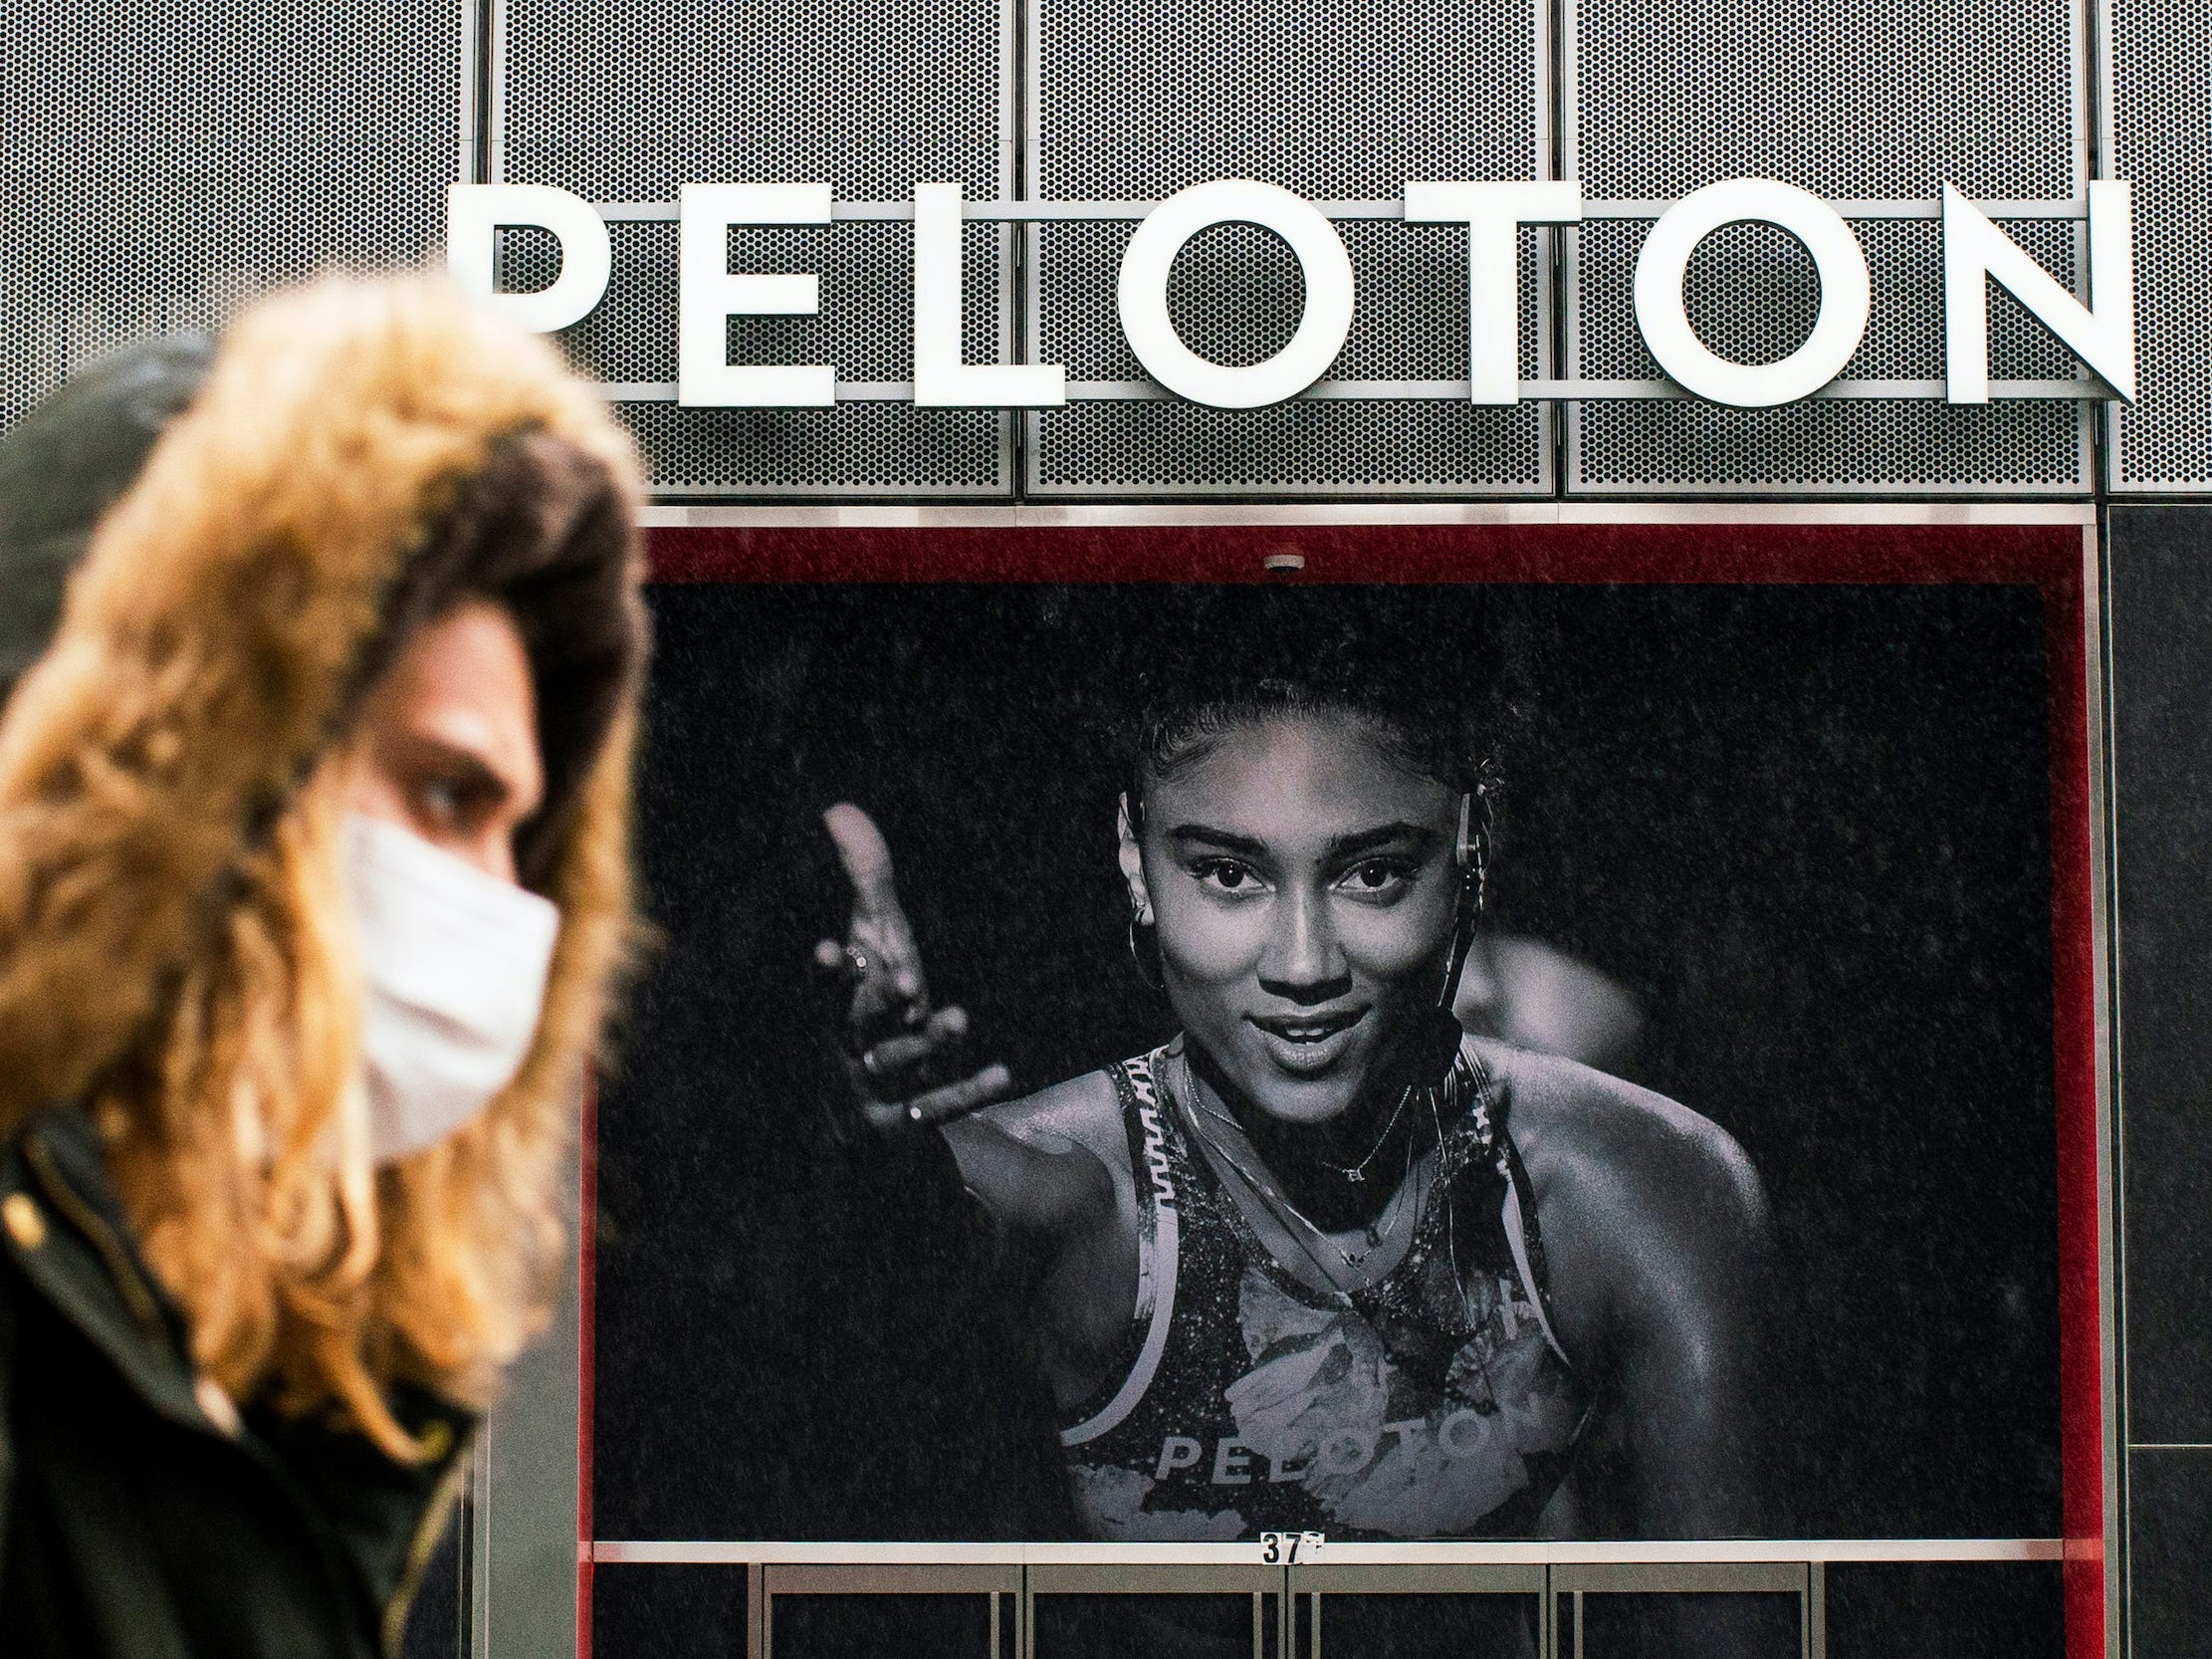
(878,921)
(865,855)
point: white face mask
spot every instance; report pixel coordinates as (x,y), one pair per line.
(453,969)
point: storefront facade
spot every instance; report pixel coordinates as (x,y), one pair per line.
(1723,331)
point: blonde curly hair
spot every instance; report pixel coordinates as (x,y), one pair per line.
(174,946)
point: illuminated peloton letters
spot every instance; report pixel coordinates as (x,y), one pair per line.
(2101,332)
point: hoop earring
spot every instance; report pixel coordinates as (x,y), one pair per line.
(1144,950)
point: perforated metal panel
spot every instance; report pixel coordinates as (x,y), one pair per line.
(1337,102)
(1879,99)
(864,327)
(625,104)
(2158,134)
(159,163)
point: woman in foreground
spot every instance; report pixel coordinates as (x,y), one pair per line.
(314,876)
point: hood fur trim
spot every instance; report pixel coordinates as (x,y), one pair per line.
(215,641)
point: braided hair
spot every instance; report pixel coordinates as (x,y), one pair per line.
(1431,670)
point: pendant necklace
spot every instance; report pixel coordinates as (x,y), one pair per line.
(1288,1214)
(1357,1173)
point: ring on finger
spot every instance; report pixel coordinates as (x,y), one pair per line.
(856,961)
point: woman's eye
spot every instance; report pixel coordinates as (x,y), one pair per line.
(441,800)
(1377,879)
(1225,876)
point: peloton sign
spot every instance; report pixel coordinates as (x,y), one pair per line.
(2100,332)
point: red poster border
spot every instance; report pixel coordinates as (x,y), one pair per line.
(587,1234)
(2048,556)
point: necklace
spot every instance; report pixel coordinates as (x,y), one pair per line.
(1294,1222)
(1358,1172)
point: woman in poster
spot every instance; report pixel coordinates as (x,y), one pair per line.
(1324,1260)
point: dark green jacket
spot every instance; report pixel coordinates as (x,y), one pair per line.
(140,1516)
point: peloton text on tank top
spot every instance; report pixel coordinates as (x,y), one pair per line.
(1252,1402)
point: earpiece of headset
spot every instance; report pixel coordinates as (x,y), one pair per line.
(1472,856)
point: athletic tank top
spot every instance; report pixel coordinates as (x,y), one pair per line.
(1254,1402)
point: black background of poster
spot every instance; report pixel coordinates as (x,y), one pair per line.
(1806,824)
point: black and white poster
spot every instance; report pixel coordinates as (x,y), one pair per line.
(1168,1036)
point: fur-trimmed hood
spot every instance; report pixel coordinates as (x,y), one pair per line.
(217,637)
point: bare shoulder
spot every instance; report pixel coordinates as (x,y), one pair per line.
(1083,1111)
(1596,1146)
(1655,1224)
(1052,1160)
